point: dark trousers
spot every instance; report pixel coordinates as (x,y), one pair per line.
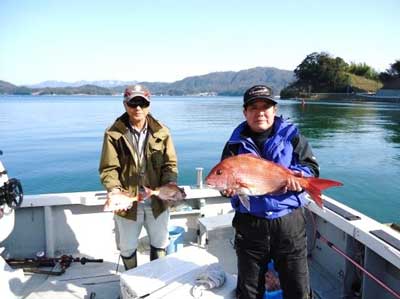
(258,240)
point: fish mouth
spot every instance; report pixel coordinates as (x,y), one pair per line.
(212,186)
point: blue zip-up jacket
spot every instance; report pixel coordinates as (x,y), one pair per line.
(284,146)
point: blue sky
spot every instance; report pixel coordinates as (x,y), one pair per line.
(169,40)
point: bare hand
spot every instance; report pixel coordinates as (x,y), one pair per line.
(228,192)
(118,201)
(293,183)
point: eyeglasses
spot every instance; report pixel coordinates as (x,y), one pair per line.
(141,103)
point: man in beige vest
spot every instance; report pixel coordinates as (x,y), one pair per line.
(138,151)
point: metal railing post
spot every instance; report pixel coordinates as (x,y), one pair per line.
(199,177)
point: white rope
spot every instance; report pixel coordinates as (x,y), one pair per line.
(213,277)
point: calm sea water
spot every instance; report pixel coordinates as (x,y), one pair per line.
(53,144)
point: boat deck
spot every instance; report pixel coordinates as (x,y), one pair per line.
(77,225)
(101,280)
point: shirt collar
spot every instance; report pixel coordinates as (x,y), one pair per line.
(143,131)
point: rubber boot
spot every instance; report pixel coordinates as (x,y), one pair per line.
(130,262)
(156,253)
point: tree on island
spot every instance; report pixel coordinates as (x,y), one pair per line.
(392,73)
(363,70)
(318,72)
(322,73)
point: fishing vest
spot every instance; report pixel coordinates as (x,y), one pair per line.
(277,148)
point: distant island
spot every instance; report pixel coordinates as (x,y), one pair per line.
(212,84)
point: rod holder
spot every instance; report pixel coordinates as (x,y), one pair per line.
(199,180)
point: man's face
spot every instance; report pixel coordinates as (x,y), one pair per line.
(137,110)
(260,115)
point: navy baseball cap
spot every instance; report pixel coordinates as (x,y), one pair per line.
(258,92)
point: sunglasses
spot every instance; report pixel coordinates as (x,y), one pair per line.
(140,103)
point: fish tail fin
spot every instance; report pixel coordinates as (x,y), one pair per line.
(146,192)
(316,185)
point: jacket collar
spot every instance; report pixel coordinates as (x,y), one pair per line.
(240,131)
(155,128)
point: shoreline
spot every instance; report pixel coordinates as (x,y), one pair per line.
(362,97)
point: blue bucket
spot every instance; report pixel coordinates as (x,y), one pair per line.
(175,239)
(273,295)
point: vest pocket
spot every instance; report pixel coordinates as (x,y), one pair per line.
(157,159)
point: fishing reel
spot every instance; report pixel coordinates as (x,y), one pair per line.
(11,192)
(11,196)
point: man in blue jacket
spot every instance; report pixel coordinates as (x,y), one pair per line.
(274,227)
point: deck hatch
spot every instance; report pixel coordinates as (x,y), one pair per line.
(384,236)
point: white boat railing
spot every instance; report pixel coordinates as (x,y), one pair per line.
(360,229)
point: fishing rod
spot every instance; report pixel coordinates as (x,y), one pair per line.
(357,265)
(31,265)
(319,236)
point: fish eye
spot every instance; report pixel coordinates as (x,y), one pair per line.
(219,172)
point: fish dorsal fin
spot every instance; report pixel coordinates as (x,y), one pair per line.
(250,155)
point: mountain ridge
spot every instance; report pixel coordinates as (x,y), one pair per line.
(226,83)
(99,83)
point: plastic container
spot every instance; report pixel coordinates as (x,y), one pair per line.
(175,239)
(272,294)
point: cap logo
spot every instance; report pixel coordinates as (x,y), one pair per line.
(261,91)
(127,93)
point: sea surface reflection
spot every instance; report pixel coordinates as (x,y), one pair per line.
(53,143)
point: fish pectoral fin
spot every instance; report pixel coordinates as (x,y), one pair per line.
(244,199)
(244,188)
